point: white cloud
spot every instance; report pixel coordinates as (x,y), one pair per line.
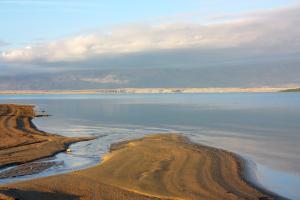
(274,30)
(110,78)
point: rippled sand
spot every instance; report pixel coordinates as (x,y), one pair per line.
(21,141)
(163,166)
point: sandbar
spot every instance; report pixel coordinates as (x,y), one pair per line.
(160,166)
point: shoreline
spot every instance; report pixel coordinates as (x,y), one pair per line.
(118,187)
(246,172)
(248,175)
(22,142)
(151,91)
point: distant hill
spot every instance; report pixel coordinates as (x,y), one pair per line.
(292,90)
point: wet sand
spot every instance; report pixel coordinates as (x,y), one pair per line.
(28,169)
(163,166)
(21,142)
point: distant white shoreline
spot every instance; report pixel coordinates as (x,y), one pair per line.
(146,90)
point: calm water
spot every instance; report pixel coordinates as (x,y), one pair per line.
(264,128)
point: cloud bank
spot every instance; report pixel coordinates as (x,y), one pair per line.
(275,31)
(245,50)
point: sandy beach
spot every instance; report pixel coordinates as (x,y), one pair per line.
(22,142)
(161,166)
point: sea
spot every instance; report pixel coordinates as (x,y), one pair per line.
(262,128)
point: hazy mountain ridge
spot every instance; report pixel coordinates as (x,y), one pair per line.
(280,74)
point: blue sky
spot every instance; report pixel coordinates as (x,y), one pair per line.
(29,21)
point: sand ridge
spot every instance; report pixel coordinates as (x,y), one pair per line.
(21,141)
(163,166)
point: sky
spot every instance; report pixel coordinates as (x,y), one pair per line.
(29,21)
(98,44)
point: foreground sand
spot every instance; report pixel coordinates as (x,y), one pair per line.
(21,141)
(165,166)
